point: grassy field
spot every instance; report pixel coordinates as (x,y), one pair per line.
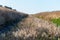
(53,20)
(57,22)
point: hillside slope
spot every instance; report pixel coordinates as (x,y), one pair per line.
(48,15)
(7,16)
(15,25)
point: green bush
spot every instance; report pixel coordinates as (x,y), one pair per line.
(56,21)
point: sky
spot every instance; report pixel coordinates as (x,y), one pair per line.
(32,6)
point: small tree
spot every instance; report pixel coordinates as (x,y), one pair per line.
(0,5)
(7,7)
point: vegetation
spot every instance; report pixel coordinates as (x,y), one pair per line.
(56,21)
(21,26)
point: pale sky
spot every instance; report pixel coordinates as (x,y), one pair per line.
(32,6)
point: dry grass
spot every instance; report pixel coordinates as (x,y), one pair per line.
(20,26)
(48,15)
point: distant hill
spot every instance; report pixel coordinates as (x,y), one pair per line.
(16,25)
(48,15)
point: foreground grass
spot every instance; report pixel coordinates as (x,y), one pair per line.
(55,21)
